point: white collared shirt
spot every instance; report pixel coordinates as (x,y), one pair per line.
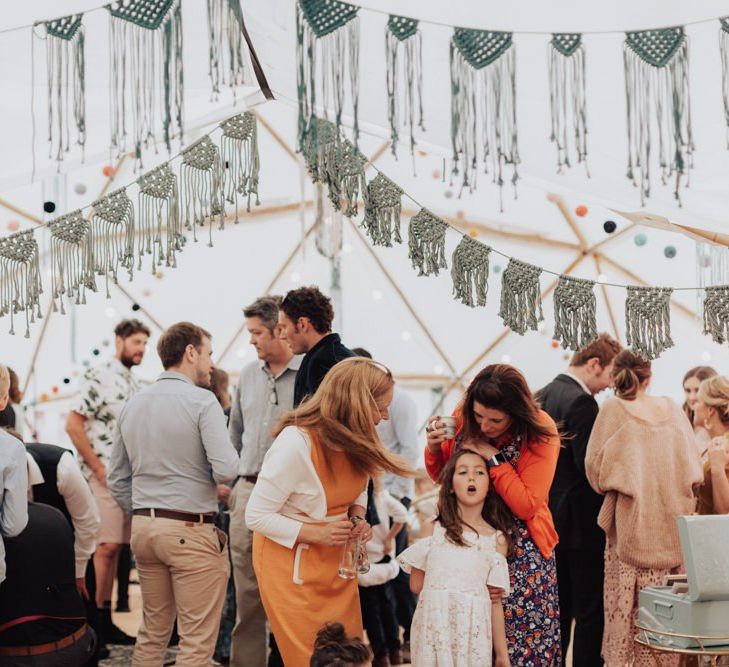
(80,503)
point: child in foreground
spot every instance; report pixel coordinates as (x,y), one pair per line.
(456,623)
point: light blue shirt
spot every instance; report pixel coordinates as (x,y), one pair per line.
(399,434)
(171,448)
(13,491)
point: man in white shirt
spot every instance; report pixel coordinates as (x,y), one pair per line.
(13,479)
(90,425)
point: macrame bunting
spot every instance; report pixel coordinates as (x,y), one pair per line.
(716,313)
(426,245)
(328,230)
(657,87)
(575,312)
(724,46)
(648,320)
(241,163)
(112,236)
(567,98)
(403,41)
(337,163)
(160,230)
(72,262)
(228,57)
(146,72)
(483,105)
(20,278)
(327,47)
(201,186)
(66,71)
(521,299)
(470,272)
(383,206)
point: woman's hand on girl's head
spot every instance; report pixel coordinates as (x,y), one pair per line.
(482,448)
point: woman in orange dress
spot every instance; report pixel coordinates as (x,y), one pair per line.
(310,498)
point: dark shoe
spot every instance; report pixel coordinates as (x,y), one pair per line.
(397,658)
(102,653)
(405,650)
(115,635)
(122,606)
(174,640)
(384,661)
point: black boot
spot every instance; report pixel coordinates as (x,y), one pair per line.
(111,633)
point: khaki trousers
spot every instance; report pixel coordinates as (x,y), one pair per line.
(248,644)
(183,570)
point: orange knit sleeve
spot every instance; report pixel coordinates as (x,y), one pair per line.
(525,487)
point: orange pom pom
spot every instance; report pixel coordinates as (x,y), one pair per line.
(54,390)
(553,198)
(44,398)
(13,226)
(108,171)
(473,233)
(555,344)
(581,211)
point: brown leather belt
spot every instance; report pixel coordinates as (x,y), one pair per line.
(174,514)
(42,649)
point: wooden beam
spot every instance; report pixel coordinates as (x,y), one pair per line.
(276,137)
(269,287)
(635,278)
(612,238)
(377,154)
(606,296)
(403,298)
(574,225)
(142,309)
(19,211)
(492,230)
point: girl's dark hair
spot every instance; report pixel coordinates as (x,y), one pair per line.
(503,387)
(495,512)
(701,373)
(332,648)
(629,372)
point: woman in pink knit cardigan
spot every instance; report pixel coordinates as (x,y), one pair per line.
(643,458)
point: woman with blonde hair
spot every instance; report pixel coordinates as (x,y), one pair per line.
(310,499)
(691,383)
(641,457)
(711,411)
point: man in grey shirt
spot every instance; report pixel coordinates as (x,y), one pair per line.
(170,449)
(265,391)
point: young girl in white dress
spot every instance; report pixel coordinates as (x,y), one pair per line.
(460,572)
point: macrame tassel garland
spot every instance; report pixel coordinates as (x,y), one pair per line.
(470,272)
(657,87)
(716,313)
(521,299)
(567,98)
(327,47)
(648,320)
(383,206)
(72,262)
(146,72)
(483,105)
(404,41)
(228,57)
(112,236)
(66,70)
(328,228)
(241,163)
(201,186)
(575,312)
(159,214)
(724,46)
(20,278)
(426,245)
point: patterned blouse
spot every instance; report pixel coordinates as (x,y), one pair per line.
(102,393)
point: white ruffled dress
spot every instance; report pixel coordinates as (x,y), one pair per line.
(452,623)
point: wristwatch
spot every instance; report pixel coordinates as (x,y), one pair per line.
(495,460)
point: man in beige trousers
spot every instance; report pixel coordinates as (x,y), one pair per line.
(264,392)
(170,450)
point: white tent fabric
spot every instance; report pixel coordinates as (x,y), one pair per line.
(381,303)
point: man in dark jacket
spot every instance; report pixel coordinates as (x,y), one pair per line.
(569,400)
(307,315)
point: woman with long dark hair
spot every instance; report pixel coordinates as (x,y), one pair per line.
(499,418)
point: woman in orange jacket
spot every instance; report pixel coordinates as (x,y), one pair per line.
(499,418)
